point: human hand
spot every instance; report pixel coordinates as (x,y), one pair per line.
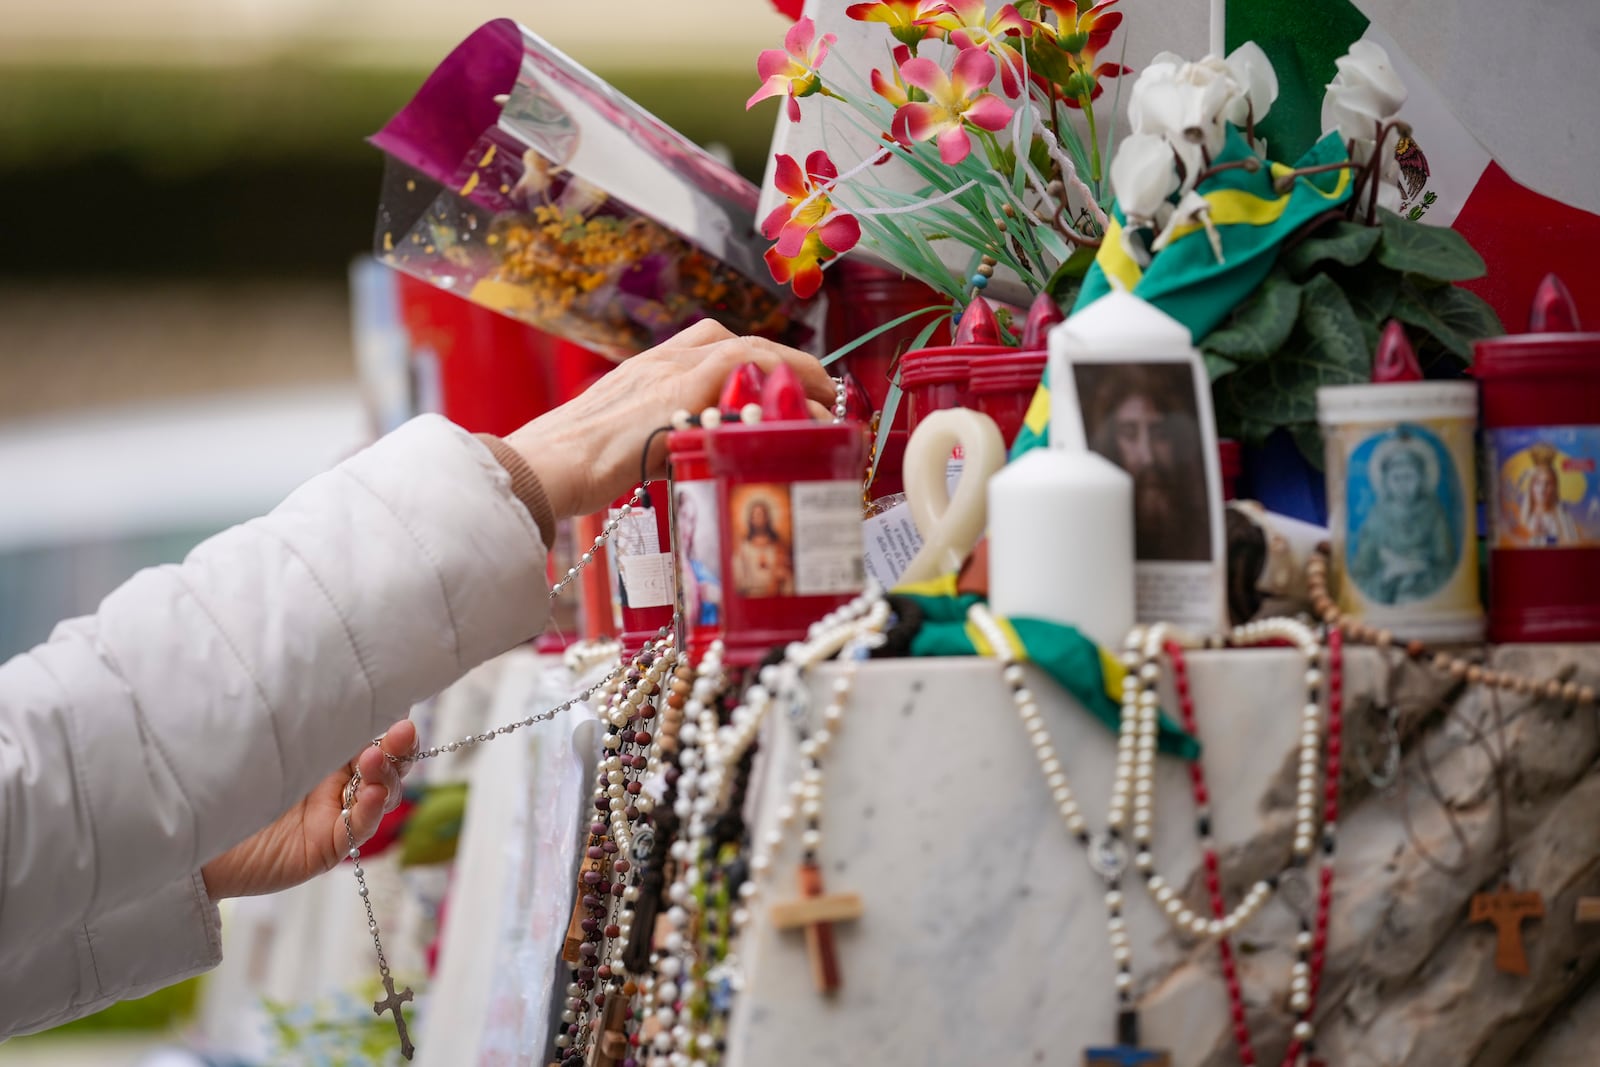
(310,837)
(586,452)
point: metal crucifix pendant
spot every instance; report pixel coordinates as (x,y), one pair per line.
(392,1003)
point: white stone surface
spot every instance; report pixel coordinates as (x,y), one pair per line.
(984,934)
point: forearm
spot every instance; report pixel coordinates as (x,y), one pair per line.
(203,699)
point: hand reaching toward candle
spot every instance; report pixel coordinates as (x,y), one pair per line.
(586,452)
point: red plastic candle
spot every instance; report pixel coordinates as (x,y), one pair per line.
(1541,438)
(789,519)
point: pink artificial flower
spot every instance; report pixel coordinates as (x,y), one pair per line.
(968,24)
(803,270)
(792,70)
(894,90)
(954,100)
(807,208)
(901,16)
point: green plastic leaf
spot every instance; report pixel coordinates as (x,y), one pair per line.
(1068,278)
(1218,366)
(1431,251)
(1453,316)
(1326,348)
(845,349)
(1047,60)
(1371,291)
(1345,243)
(1259,327)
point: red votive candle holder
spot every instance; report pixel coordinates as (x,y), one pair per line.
(1230,458)
(1003,385)
(1541,439)
(789,504)
(696,540)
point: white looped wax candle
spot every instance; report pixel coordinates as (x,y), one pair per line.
(950,525)
(1061,528)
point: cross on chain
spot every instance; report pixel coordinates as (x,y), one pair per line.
(816,912)
(392,1003)
(1125,1056)
(1507,909)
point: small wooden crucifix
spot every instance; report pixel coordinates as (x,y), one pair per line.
(1126,1052)
(574,938)
(817,911)
(1125,1056)
(1508,909)
(611,1047)
(392,1003)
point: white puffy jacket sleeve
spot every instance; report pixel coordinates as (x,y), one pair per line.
(203,699)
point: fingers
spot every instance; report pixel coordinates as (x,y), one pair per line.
(729,354)
(820,412)
(378,769)
(365,815)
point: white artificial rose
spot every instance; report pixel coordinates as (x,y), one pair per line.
(1363,96)
(1155,103)
(1143,175)
(1258,83)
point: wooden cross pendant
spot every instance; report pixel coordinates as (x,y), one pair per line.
(1508,909)
(392,1003)
(817,912)
(574,938)
(612,1046)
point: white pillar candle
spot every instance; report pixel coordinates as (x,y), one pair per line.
(1061,530)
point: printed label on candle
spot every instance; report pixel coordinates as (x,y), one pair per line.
(890,541)
(827,538)
(1544,486)
(699,554)
(641,574)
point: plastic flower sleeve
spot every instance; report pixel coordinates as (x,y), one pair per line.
(521,181)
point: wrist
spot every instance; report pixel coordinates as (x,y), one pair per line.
(526,485)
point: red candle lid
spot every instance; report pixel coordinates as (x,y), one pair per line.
(1395,360)
(1044,314)
(978,325)
(742,387)
(1552,347)
(783,398)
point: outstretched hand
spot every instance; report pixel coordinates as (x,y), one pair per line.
(310,837)
(586,452)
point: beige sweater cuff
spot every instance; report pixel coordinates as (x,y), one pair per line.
(525,484)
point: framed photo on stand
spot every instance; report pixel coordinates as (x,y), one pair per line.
(1144,398)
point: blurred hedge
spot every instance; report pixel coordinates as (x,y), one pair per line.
(257,171)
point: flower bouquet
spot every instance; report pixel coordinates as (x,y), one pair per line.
(519,180)
(993,116)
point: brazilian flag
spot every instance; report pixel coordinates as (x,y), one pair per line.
(1186,279)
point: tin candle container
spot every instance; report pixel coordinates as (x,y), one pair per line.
(1402,504)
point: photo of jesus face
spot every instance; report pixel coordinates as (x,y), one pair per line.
(762,552)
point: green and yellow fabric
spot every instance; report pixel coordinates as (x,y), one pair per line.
(1186,279)
(1077,664)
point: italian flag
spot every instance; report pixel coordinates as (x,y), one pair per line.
(1448,177)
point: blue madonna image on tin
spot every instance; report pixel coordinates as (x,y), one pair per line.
(1403,499)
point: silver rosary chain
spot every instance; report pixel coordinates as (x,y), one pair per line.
(351,788)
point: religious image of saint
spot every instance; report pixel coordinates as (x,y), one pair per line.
(1403,548)
(762,557)
(1144,417)
(1543,519)
(697,544)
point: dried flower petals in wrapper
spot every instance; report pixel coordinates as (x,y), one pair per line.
(521,181)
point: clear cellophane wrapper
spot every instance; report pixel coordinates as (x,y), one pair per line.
(517,179)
